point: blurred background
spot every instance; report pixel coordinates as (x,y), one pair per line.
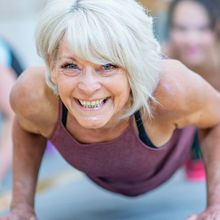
(17,24)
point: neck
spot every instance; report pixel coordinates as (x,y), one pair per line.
(107,133)
(209,64)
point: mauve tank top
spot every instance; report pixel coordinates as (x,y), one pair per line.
(125,164)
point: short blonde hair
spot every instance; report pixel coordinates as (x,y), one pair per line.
(115,31)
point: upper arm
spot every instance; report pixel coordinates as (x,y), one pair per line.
(189,99)
(26,100)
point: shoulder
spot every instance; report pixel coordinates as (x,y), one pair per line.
(183,95)
(33,102)
(175,84)
(177,80)
(167,50)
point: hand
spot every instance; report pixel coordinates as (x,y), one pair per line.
(20,214)
(211,213)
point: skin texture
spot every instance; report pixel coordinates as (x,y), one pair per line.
(193,42)
(35,122)
(7,79)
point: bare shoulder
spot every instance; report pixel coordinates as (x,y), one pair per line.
(173,88)
(183,94)
(33,102)
(167,50)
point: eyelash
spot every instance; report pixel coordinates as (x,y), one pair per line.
(109,64)
(67,65)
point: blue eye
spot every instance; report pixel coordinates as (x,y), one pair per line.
(109,67)
(69,66)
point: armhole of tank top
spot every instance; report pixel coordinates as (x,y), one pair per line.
(141,130)
(59,118)
(64,114)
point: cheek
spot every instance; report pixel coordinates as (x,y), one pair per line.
(177,38)
(125,93)
(121,89)
(207,41)
(66,85)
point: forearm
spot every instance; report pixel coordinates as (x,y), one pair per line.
(211,154)
(27,155)
(6,146)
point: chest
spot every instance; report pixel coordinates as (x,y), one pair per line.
(125,157)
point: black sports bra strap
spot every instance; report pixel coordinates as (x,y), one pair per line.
(64,114)
(141,130)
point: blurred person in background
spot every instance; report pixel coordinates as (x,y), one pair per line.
(218,20)
(10,69)
(193,39)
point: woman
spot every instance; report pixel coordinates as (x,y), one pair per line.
(109,104)
(194,41)
(10,68)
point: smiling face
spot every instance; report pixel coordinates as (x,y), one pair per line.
(191,35)
(95,95)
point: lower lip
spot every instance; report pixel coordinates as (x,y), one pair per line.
(92,109)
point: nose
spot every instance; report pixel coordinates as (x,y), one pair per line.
(89,82)
(192,37)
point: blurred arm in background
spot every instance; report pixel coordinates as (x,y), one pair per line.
(7,79)
(10,68)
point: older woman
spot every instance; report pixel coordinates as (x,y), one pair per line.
(112,107)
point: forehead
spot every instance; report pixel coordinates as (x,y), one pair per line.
(80,54)
(64,52)
(190,13)
(64,48)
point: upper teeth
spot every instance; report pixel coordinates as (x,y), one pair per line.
(91,104)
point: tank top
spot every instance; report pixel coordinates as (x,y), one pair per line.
(125,164)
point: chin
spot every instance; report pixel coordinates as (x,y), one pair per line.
(93,123)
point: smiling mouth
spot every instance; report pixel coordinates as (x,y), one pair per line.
(92,104)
